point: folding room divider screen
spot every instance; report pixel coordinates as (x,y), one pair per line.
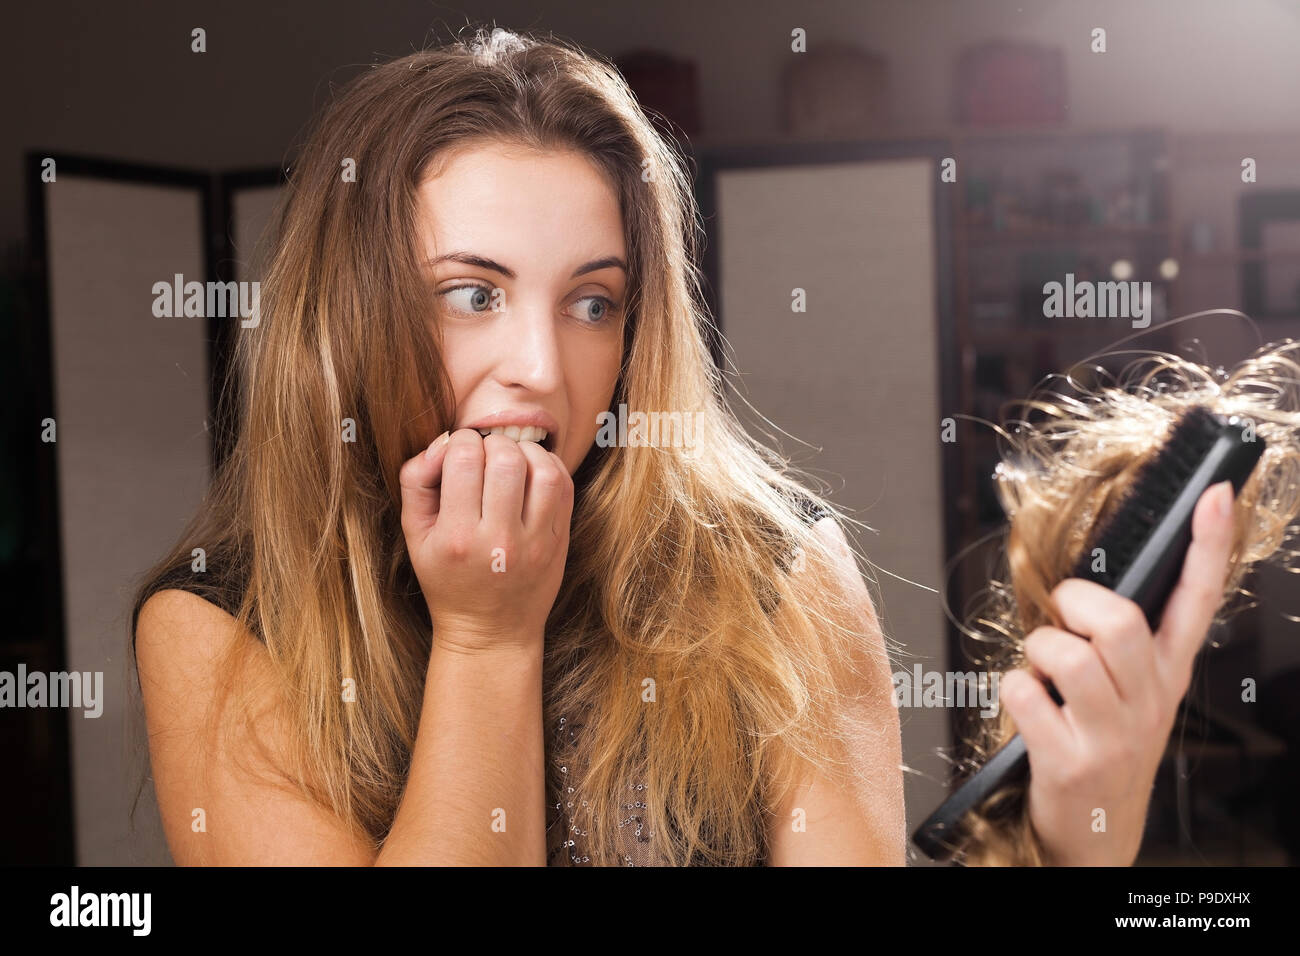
(131,393)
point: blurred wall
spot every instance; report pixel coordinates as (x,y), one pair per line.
(89,78)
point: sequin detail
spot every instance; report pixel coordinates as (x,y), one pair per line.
(634,834)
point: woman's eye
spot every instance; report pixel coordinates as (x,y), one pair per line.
(468,298)
(599,309)
(475,299)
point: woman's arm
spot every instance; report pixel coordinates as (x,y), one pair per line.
(863,825)
(478,748)
(475,794)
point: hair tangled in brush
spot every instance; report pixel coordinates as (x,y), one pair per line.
(1070,456)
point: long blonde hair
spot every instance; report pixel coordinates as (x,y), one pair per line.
(677,558)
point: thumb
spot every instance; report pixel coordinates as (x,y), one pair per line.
(1199,592)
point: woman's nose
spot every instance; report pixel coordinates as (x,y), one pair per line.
(529,348)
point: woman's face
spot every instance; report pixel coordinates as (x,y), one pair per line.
(525,258)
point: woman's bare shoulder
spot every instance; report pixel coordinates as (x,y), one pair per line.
(221,793)
(174,613)
(181,637)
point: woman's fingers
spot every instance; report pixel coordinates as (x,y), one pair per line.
(493,479)
(546,488)
(1073,665)
(1039,721)
(462,482)
(1199,592)
(505,473)
(1118,630)
(419,479)
(563,517)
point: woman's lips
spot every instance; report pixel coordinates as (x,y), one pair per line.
(520,425)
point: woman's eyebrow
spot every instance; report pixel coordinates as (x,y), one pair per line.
(469,259)
(597,264)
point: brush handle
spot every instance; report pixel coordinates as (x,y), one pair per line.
(1148,580)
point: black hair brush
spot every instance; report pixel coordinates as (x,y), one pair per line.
(1144,544)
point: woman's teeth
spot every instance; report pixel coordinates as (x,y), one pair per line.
(517,433)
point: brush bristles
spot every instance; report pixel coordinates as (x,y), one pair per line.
(1150,495)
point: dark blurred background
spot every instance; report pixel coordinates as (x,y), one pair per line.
(1166,149)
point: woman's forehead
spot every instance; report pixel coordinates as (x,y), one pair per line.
(522,204)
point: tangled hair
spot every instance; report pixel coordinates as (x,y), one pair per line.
(1068,461)
(676,555)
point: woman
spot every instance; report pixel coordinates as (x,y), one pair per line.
(550,649)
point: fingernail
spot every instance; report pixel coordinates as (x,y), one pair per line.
(1226,497)
(433,446)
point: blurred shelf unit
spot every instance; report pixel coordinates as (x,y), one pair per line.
(1237,234)
(1030,208)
